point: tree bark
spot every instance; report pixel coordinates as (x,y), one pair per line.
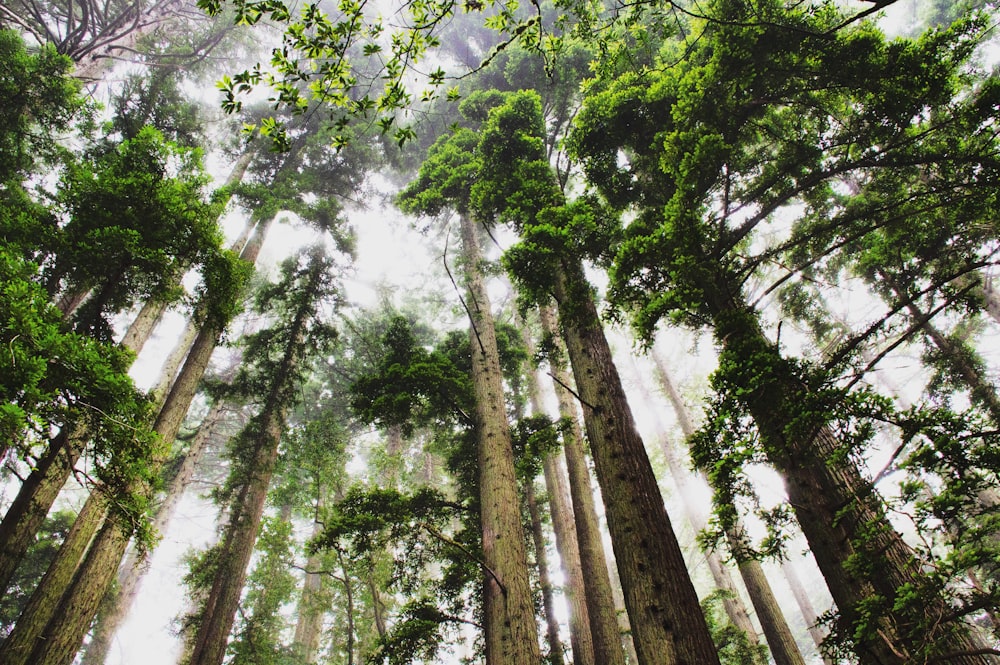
(45,599)
(667,622)
(778,634)
(34,498)
(839,512)
(131,572)
(605,634)
(305,644)
(733,604)
(555,656)
(510,629)
(564,527)
(776,630)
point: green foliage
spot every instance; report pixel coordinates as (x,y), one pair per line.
(38,100)
(157,101)
(734,645)
(257,639)
(52,376)
(412,386)
(417,636)
(533,438)
(224,280)
(136,217)
(418,528)
(445,177)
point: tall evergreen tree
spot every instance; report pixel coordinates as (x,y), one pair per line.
(516,184)
(792,113)
(276,360)
(511,633)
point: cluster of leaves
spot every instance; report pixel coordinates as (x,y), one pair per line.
(734,645)
(412,387)
(418,528)
(278,358)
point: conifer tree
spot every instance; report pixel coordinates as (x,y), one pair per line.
(276,361)
(792,113)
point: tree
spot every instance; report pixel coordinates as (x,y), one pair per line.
(511,634)
(799,117)
(276,362)
(516,184)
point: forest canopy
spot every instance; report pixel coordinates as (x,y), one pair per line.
(596,333)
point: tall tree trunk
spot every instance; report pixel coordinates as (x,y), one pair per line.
(131,573)
(305,644)
(511,632)
(809,615)
(667,622)
(248,506)
(563,525)
(238,543)
(80,600)
(621,614)
(839,512)
(733,604)
(555,656)
(580,639)
(604,629)
(778,634)
(45,599)
(776,630)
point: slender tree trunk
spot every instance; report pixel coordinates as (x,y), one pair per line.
(45,599)
(349,592)
(237,545)
(175,359)
(733,604)
(563,525)
(248,506)
(555,656)
(580,639)
(778,634)
(621,614)
(776,630)
(511,632)
(604,629)
(809,614)
(839,513)
(143,325)
(131,572)
(992,298)
(80,601)
(667,622)
(305,644)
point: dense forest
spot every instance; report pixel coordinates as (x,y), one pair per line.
(591,333)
